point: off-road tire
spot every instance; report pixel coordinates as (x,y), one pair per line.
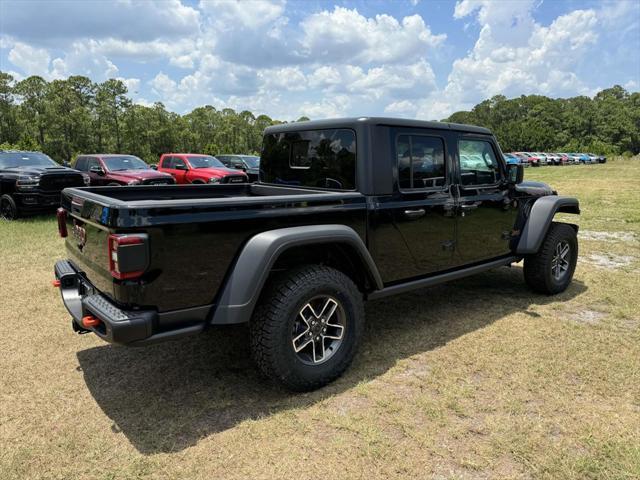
(8,208)
(272,323)
(537,267)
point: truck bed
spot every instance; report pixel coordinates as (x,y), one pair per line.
(195,232)
(158,205)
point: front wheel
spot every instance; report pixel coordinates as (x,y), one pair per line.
(550,271)
(307,327)
(8,208)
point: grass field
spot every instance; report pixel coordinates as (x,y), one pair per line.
(476,379)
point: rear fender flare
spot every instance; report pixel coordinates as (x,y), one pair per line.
(540,218)
(244,284)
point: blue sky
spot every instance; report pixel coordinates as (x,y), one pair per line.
(287,58)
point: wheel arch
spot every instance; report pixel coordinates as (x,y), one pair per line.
(282,248)
(540,217)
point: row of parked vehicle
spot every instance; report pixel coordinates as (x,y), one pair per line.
(536,159)
(181,168)
(32,181)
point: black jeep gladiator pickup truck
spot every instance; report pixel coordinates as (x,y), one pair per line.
(345,211)
(31,182)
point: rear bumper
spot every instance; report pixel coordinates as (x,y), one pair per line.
(125,327)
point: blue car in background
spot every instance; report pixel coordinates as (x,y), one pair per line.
(584,158)
(510,158)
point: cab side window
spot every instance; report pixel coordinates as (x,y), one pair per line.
(478,163)
(420,162)
(167,162)
(81,164)
(92,162)
(179,163)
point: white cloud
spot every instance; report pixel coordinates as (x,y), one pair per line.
(515,55)
(248,13)
(345,34)
(31,60)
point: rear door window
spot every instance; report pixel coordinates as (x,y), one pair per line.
(312,158)
(420,162)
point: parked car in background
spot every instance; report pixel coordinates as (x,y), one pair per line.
(597,158)
(574,158)
(118,170)
(584,158)
(511,158)
(31,182)
(533,159)
(542,157)
(199,169)
(249,164)
(554,159)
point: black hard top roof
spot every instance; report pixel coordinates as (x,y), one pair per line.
(353,122)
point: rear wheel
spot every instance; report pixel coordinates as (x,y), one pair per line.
(307,327)
(550,271)
(8,208)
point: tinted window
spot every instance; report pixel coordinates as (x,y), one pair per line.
(204,162)
(251,161)
(420,161)
(316,158)
(478,163)
(167,162)
(92,162)
(124,162)
(25,159)
(81,164)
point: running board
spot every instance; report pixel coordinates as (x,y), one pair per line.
(441,278)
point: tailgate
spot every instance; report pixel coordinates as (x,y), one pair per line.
(87,238)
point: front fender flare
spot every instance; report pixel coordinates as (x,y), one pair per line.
(249,273)
(540,218)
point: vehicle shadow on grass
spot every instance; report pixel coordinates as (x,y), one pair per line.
(166,397)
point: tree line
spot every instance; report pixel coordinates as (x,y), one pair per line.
(64,118)
(608,123)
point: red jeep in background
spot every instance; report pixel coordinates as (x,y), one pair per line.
(110,169)
(198,168)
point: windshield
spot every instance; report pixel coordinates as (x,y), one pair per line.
(124,162)
(205,162)
(251,161)
(25,159)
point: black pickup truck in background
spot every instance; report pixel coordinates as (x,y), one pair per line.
(345,211)
(31,182)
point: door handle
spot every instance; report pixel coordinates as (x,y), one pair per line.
(415,213)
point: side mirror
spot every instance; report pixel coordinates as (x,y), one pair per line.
(181,166)
(154,167)
(66,164)
(97,170)
(515,173)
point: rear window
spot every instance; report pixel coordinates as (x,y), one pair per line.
(313,158)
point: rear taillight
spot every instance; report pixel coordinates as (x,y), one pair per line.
(61,214)
(128,255)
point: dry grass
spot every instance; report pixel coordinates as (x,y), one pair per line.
(477,379)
